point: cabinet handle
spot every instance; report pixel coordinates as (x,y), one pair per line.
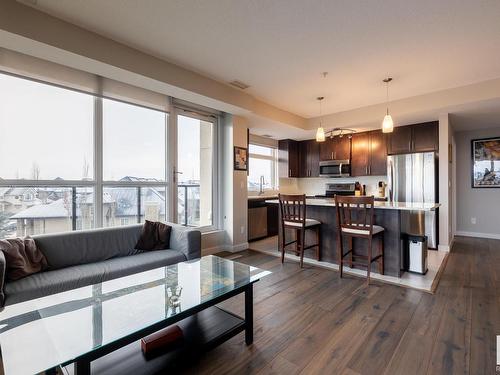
(332,155)
(366,170)
(369,169)
(290,173)
(409,144)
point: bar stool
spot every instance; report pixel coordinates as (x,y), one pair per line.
(355,220)
(293,216)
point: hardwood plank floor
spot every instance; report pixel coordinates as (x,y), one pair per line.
(310,321)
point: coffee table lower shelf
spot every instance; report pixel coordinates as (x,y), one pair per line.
(202,332)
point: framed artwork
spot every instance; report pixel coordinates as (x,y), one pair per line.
(485,162)
(240,158)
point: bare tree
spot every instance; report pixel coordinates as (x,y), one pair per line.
(86,168)
(35,171)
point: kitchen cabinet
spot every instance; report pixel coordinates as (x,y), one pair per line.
(369,154)
(426,137)
(309,158)
(378,153)
(414,138)
(335,148)
(288,158)
(360,154)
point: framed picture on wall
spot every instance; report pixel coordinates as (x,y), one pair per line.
(486,162)
(240,158)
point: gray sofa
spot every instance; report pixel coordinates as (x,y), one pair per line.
(87,257)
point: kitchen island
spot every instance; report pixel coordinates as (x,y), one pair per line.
(386,214)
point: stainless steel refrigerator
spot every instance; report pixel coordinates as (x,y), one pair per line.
(413,178)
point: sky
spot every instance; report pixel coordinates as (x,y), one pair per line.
(48,131)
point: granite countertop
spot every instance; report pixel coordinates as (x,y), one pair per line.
(329,202)
(260,197)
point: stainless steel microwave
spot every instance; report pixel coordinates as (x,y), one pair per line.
(335,168)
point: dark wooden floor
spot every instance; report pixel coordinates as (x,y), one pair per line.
(310,321)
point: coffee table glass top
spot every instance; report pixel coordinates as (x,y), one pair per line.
(46,332)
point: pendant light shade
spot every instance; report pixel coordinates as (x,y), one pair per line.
(387,123)
(320,134)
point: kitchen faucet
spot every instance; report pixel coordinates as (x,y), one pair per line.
(261,185)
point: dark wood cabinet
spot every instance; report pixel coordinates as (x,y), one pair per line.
(360,154)
(335,148)
(426,137)
(369,154)
(288,158)
(309,158)
(378,153)
(342,148)
(326,149)
(399,141)
(414,138)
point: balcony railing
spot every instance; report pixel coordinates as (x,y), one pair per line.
(188,206)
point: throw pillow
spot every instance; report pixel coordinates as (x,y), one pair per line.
(154,236)
(22,258)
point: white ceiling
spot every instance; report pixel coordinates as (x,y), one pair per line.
(280,47)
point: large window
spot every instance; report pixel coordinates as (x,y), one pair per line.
(46,132)
(262,168)
(71,160)
(195,171)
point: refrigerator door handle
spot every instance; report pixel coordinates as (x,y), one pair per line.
(391,180)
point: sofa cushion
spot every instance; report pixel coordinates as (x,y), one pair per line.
(154,236)
(50,282)
(88,246)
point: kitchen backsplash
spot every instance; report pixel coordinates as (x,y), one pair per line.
(317,186)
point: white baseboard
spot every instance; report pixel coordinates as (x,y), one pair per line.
(477,234)
(236,248)
(211,250)
(230,248)
(444,248)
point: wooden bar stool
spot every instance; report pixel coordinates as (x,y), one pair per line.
(355,219)
(293,216)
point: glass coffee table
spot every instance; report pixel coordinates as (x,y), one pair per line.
(93,323)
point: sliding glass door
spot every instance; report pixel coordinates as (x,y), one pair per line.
(195,170)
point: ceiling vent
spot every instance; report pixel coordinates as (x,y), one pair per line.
(239,84)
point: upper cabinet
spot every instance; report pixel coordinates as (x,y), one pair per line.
(369,154)
(288,158)
(335,148)
(414,138)
(426,137)
(309,158)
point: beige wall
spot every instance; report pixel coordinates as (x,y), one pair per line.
(446,184)
(482,204)
(234,194)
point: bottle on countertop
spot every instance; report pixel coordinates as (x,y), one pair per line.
(357,189)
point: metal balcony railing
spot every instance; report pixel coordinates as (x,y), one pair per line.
(188,206)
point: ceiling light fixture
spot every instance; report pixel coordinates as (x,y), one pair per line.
(320,133)
(387,123)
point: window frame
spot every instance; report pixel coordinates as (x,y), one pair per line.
(274,160)
(97,182)
(215,120)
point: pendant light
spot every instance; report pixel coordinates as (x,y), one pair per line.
(387,123)
(320,133)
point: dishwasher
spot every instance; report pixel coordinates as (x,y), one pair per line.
(257,220)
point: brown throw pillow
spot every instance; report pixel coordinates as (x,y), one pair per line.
(22,258)
(154,236)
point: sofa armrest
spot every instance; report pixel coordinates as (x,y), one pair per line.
(186,240)
(3,266)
